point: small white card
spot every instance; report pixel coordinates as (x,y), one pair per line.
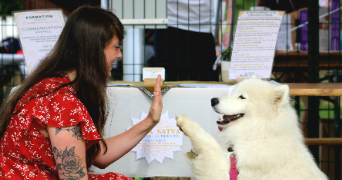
(149,72)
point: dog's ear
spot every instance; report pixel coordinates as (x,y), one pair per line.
(281,95)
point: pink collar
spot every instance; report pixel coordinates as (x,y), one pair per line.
(233,169)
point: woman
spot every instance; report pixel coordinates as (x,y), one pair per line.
(52,126)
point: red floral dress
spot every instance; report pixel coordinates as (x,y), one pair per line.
(27,154)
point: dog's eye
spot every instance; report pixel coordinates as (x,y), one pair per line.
(241,97)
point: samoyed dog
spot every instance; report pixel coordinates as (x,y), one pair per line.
(260,128)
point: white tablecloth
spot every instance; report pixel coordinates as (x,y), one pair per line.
(127,103)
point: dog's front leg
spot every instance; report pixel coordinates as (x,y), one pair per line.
(207,158)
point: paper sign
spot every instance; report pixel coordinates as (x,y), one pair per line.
(161,141)
(153,72)
(254,43)
(38,33)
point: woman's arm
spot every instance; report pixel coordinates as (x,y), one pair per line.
(119,145)
(69,150)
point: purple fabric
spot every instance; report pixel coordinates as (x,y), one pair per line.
(304,30)
(335,29)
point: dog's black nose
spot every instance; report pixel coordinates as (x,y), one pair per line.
(214,101)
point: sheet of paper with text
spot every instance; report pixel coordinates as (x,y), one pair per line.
(255,43)
(38,33)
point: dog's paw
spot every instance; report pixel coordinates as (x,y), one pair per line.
(184,124)
(181,120)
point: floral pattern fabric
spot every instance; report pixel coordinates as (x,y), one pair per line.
(25,153)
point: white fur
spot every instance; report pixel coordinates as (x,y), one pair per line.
(267,141)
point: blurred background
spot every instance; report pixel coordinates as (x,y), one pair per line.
(187,36)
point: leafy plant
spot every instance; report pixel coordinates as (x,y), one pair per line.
(227,54)
(7,6)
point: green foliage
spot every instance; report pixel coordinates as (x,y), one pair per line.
(7,6)
(227,54)
(243,5)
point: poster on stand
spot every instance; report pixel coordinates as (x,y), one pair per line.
(255,44)
(38,33)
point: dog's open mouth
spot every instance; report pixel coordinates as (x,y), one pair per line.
(228,118)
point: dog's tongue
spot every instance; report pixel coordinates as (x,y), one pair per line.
(220,128)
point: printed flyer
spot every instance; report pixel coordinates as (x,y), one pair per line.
(255,43)
(38,33)
(161,141)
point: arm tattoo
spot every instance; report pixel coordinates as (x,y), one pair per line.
(76,130)
(70,167)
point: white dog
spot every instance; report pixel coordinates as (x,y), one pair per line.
(261,128)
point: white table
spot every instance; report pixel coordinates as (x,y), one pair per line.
(127,103)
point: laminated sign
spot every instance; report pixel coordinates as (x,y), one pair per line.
(255,44)
(161,141)
(38,33)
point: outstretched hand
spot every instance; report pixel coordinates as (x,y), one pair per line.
(157,103)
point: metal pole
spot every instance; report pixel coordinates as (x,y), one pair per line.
(218,18)
(337,133)
(232,29)
(313,74)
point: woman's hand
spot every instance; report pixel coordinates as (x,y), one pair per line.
(157,103)
(119,145)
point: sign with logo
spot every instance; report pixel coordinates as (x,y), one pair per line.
(38,33)
(161,141)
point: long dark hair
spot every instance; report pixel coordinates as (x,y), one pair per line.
(81,47)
